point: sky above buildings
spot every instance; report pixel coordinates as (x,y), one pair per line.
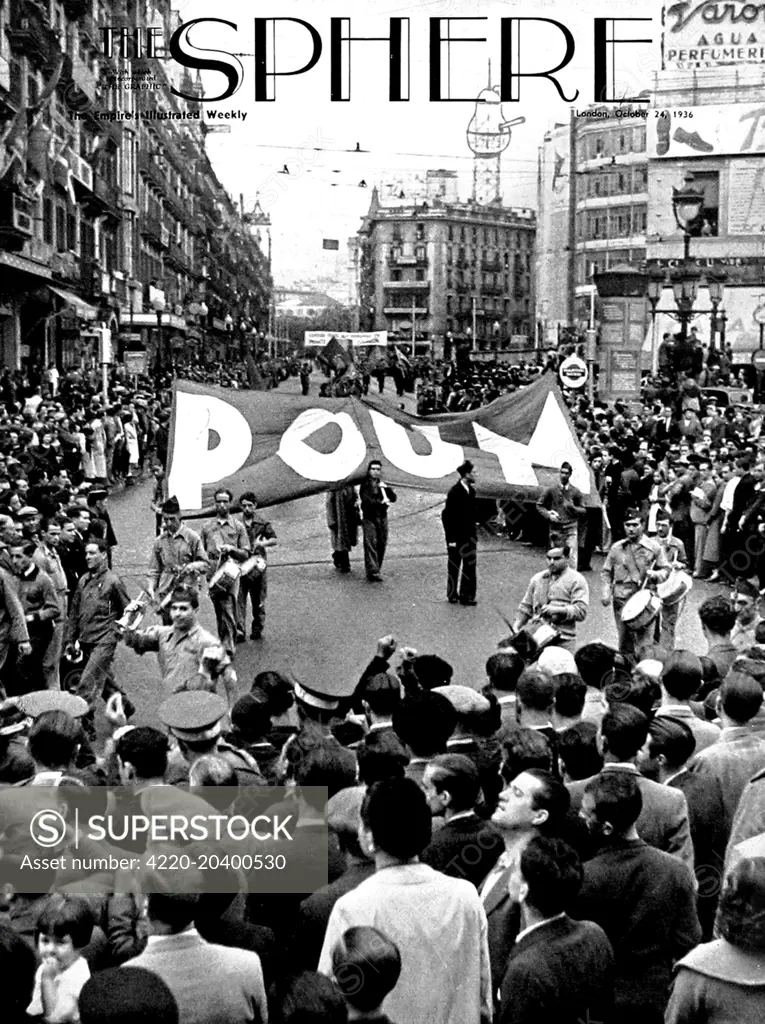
(317,139)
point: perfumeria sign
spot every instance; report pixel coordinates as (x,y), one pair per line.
(707,34)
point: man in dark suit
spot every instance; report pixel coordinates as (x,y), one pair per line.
(665,758)
(466,846)
(642,898)
(534,802)
(559,969)
(459,519)
(664,428)
(732,539)
(663,820)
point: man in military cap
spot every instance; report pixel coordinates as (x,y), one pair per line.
(177,556)
(631,565)
(195,718)
(189,657)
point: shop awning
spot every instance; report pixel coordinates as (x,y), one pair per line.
(82,308)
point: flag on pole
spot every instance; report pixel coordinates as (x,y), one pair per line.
(330,243)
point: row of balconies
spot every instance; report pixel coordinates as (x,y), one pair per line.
(30,33)
(420,286)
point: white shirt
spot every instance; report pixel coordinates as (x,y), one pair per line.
(726,502)
(440,927)
(68,985)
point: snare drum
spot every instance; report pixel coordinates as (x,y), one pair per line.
(674,588)
(224,579)
(641,609)
(542,633)
(254,566)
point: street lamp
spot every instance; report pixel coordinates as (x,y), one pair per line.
(685,287)
(716,289)
(496,329)
(687,204)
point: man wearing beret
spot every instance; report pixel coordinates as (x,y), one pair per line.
(178,554)
(459,521)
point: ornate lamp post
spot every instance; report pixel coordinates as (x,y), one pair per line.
(687,204)
(685,287)
(716,289)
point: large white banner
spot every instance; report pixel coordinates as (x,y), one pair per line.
(359,339)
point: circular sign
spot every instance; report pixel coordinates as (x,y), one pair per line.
(759,314)
(573,372)
(758,359)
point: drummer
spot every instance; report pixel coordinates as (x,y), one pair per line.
(223,538)
(254,584)
(631,565)
(558,595)
(177,555)
(674,549)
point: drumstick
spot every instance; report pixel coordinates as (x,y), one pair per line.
(504,619)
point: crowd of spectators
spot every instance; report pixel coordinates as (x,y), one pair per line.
(564,835)
(571,834)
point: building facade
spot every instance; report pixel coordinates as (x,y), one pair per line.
(438,272)
(708,128)
(594,218)
(110,211)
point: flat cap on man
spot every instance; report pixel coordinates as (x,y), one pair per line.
(464,699)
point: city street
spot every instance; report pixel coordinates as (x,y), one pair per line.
(321,625)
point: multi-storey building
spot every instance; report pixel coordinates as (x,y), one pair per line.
(594,218)
(437,272)
(708,129)
(110,210)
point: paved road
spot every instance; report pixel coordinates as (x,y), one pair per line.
(321,625)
